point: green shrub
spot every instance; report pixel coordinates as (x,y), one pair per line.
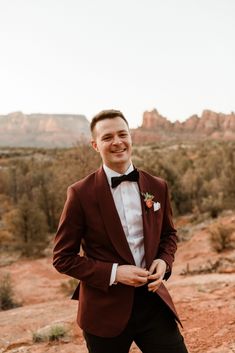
(38,337)
(56,333)
(69,286)
(6,293)
(221,237)
(50,333)
(213,205)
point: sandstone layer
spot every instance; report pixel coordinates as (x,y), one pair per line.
(42,130)
(65,130)
(210,125)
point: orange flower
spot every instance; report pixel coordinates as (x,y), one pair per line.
(149,203)
(148,199)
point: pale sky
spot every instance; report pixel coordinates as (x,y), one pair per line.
(82,56)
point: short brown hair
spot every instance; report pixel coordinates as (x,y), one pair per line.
(106,114)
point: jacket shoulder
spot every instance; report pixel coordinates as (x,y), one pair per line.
(153,178)
(84,182)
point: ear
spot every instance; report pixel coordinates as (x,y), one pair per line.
(94,145)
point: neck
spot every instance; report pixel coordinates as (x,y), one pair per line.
(121,169)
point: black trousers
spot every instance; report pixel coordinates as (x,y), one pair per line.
(151,326)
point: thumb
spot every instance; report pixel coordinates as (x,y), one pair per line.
(153,267)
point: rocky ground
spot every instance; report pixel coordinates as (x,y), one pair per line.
(202,285)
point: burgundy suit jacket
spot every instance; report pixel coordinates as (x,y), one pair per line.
(90,219)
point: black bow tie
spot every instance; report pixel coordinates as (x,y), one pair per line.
(133,176)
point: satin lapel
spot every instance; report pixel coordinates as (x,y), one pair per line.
(111,218)
(148,222)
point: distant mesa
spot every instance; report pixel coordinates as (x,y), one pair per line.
(43,130)
(210,125)
(65,130)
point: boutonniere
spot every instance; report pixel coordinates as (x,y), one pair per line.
(149,203)
(148,199)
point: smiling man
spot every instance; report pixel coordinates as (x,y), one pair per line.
(122,218)
(111,138)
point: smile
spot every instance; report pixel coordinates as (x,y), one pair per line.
(119,151)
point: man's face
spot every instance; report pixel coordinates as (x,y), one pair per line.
(112,140)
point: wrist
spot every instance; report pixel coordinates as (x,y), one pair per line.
(167,267)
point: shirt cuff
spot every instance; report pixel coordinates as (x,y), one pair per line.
(113,275)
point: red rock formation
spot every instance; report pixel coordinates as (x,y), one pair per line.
(210,125)
(61,130)
(43,130)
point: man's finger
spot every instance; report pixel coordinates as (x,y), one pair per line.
(155,283)
(154,276)
(141,272)
(152,268)
(142,279)
(154,289)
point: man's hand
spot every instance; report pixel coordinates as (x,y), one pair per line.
(132,275)
(157,272)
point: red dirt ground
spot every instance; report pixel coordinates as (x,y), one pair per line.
(205,302)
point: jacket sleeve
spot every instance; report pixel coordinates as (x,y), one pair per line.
(168,240)
(67,256)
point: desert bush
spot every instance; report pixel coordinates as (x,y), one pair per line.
(33,183)
(69,286)
(221,237)
(28,224)
(6,293)
(213,205)
(56,333)
(50,333)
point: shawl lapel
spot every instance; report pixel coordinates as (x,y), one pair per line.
(110,217)
(149,224)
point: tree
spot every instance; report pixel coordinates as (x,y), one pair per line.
(45,194)
(29,227)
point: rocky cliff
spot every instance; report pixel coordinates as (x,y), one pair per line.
(42,130)
(210,125)
(64,130)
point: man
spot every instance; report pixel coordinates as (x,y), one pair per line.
(124,226)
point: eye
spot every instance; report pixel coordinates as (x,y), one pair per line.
(123,134)
(106,138)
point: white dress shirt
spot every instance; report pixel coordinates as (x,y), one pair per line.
(126,197)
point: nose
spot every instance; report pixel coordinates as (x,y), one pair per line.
(116,140)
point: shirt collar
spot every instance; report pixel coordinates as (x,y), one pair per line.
(111,173)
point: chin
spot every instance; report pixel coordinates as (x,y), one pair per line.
(121,160)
